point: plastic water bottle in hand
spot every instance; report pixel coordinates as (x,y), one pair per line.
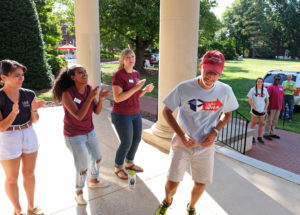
(131,179)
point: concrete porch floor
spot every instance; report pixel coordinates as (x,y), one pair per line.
(238,188)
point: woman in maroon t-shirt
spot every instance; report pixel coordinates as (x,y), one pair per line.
(79,102)
(126,117)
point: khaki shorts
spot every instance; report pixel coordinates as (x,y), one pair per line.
(201,160)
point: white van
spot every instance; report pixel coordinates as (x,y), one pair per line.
(269,79)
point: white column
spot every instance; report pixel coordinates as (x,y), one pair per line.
(178,44)
(88,38)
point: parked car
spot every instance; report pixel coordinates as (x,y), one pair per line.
(269,78)
(148,56)
(155,58)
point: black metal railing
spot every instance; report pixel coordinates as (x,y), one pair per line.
(234,134)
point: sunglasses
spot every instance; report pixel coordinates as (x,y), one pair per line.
(278,79)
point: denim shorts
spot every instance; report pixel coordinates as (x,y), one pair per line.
(16,142)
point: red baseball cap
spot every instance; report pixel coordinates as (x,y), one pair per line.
(213,61)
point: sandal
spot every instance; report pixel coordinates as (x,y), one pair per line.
(121,170)
(36,211)
(134,168)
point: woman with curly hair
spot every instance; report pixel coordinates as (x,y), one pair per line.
(79,102)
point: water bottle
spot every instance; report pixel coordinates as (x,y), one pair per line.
(131,179)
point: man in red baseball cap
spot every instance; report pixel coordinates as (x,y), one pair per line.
(200,101)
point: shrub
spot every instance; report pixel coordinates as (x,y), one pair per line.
(104,54)
(21,40)
(57,63)
(226,47)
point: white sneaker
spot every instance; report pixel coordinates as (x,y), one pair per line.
(97,185)
(80,200)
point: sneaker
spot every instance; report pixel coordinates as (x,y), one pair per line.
(267,137)
(274,136)
(253,141)
(162,209)
(97,185)
(80,200)
(190,211)
(259,139)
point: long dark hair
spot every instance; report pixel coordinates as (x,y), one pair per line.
(262,88)
(63,82)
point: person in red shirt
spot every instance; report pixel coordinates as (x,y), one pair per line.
(276,94)
(79,102)
(126,117)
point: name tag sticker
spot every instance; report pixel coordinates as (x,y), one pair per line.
(130,81)
(77,100)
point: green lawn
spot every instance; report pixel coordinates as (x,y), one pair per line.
(240,75)
(47,96)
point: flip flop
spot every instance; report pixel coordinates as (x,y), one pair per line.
(36,211)
(121,170)
(134,168)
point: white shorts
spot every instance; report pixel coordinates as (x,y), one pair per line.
(201,160)
(16,142)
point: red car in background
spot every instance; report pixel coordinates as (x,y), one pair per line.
(148,56)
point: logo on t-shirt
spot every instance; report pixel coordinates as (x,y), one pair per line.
(260,95)
(198,104)
(25,104)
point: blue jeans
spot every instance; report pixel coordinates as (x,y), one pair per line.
(129,129)
(289,99)
(82,148)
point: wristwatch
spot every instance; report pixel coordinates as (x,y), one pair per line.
(216,130)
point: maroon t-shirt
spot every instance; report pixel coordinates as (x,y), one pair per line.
(276,94)
(72,126)
(126,81)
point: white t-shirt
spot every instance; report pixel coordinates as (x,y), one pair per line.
(200,109)
(259,100)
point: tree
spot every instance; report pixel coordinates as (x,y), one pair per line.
(269,25)
(65,14)
(233,19)
(285,18)
(257,27)
(136,20)
(49,25)
(21,40)
(208,26)
(51,33)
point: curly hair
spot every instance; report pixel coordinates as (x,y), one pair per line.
(63,82)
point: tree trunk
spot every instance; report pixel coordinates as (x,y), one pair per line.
(253,50)
(140,47)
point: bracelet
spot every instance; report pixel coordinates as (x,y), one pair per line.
(216,130)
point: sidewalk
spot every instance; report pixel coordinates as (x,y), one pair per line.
(238,189)
(283,152)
